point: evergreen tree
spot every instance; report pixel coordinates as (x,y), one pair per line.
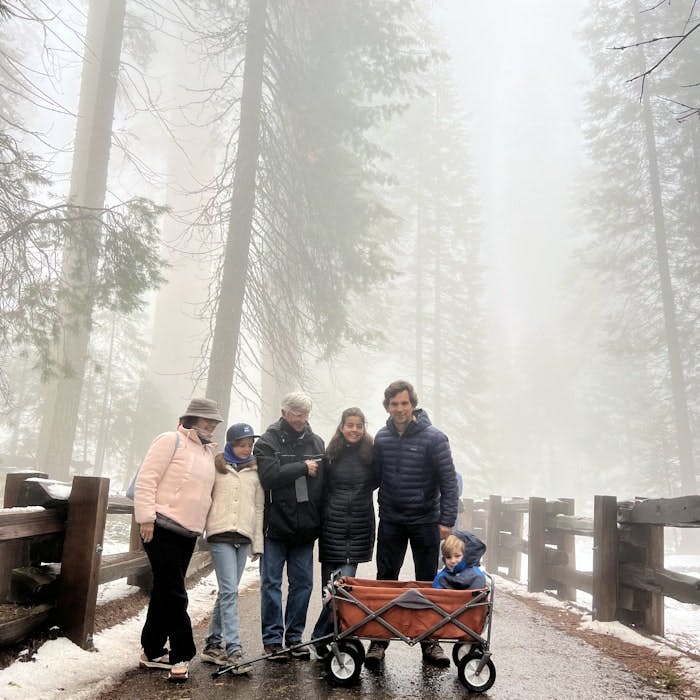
(635,201)
(330,73)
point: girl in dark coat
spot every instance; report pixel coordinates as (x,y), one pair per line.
(347,523)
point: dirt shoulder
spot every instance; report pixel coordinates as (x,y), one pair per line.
(661,672)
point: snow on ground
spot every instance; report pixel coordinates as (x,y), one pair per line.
(61,669)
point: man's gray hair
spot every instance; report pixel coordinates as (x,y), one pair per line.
(297,402)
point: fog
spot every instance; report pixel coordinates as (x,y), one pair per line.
(469,203)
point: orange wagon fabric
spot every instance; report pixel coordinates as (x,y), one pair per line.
(409,620)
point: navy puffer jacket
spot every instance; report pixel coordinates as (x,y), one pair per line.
(347,529)
(418,483)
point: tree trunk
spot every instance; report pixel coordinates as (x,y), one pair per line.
(106,404)
(271,391)
(420,281)
(98,87)
(437,321)
(224,348)
(678,387)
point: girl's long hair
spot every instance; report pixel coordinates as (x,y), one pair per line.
(337,442)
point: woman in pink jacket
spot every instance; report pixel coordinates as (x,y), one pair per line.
(172,496)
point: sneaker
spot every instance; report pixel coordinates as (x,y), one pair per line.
(322,650)
(375,655)
(433,654)
(275,652)
(211,654)
(301,653)
(235,658)
(159,662)
(179,672)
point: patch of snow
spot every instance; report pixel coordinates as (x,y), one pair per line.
(57,490)
(22,509)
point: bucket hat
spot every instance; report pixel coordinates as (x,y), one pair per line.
(202,408)
(238,431)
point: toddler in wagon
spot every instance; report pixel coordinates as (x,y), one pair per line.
(462,552)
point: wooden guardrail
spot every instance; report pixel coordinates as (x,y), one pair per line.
(628,582)
(70,532)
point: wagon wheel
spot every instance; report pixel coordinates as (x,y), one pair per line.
(466,672)
(344,667)
(459,650)
(358,646)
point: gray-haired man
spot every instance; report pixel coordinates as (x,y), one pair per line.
(289,458)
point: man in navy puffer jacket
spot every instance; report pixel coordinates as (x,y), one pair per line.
(417,498)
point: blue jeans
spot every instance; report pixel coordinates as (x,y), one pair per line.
(229,564)
(300,568)
(324,624)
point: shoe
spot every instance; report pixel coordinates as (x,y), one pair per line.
(302,653)
(275,652)
(159,662)
(375,655)
(179,672)
(433,654)
(235,658)
(322,650)
(211,654)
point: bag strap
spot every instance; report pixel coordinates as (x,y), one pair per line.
(132,485)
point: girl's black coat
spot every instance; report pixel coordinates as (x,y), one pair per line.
(347,524)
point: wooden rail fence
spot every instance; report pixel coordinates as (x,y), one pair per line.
(47,521)
(628,582)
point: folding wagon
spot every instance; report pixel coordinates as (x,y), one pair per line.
(412,612)
(408,611)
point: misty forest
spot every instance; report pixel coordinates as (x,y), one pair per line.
(237,199)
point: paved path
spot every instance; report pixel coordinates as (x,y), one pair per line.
(533,661)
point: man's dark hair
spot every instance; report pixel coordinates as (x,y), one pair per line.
(396,388)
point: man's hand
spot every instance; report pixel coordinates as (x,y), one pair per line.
(311,467)
(254,557)
(445,531)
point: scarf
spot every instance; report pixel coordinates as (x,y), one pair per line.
(231,458)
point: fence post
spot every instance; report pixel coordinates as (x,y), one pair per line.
(654,615)
(14,553)
(13,485)
(537,513)
(643,545)
(567,544)
(466,515)
(605,559)
(512,522)
(493,530)
(82,554)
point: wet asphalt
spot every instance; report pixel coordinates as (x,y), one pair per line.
(533,661)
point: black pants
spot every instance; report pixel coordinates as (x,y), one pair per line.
(392,541)
(167,618)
